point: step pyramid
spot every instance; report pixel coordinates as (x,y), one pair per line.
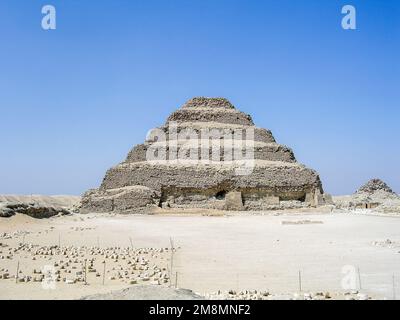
(209,155)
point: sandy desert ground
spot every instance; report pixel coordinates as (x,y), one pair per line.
(219,252)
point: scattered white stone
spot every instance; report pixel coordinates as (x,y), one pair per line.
(362,296)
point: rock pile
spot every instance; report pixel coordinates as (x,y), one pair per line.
(265,295)
(31,209)
(207,155)
(387,244)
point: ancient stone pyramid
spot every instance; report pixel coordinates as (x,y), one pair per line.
(207,155)
(374,185)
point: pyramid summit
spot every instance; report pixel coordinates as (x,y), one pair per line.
(210,155)
(208,102)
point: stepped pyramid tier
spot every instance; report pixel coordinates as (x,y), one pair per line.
(210,155)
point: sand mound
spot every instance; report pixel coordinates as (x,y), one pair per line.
(147,292)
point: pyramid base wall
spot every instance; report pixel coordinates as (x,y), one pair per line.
(137,187)
(134,199)
(138,199)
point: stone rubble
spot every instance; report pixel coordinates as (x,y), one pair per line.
(31,209)
(266,295)
(123,264)
(387,244)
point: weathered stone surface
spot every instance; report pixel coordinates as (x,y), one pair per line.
(278,177)
(318,198)
(272,200)
(203,102)
(262,151)
(328,199)
(195,174)
(31,209)
(202,114)
(233,201)
(375,194)
(374,185)
(125,199)
(260,134)
(6,212)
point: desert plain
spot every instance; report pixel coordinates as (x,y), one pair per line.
(216,254)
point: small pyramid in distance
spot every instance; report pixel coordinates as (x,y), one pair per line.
(374,185)
(209,178)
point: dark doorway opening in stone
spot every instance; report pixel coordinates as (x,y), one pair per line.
(302,199)
(220,195)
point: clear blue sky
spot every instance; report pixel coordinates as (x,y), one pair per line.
(75,100)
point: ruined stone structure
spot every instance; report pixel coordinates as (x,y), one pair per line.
(207,155)
(374,185)
(373,194)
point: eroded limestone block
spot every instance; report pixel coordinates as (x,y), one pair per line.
(233,201)
(328,199)
(272,200)
(316,198)
(309,198)
(126,199)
